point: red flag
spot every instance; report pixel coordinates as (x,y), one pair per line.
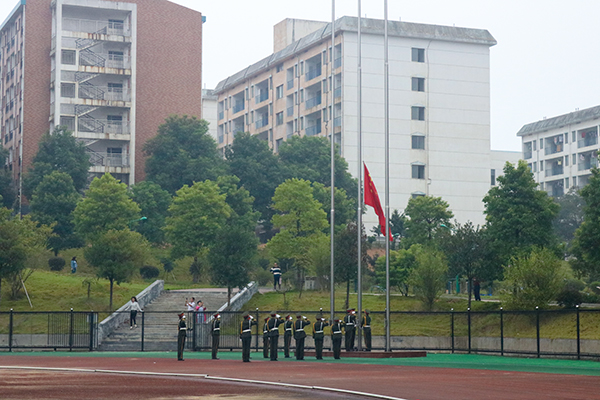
(372,199)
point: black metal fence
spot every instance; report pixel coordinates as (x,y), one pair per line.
(539,333)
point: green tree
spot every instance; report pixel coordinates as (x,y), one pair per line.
(345,206)
(259,171)
(154,204)
(52,203)
(402,263)
(534,279)
(301,221)
(59,151)
(587,236)
(116,254)
(427,215)
(570,215)
(182,153)
(196,215)
(309,158)
(19,239)
(8,193)
(346,256)
(398,225)
(518,215)
(106,206)
(429,277)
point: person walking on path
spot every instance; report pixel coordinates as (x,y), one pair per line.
(273,325)
(246,336)
(73,265)
(181,334)
(288,327)
(276,271)
(477,289)
(216,334)
(366,326)
(300,335)
(266,338)
(336,338)
(319,335)
(349,327)
(134,307)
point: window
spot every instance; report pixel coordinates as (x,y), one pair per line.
(67,90)
(573,138)
(277,144)
(493,177)
(566,182)
(279,90)
(279,67)
(574,161)
(301,123)
(68,57)
(418,55)
(541,144)
(417,113)
(541,185)
(567,137)
(574,181)
(418,171)
(418,84)
(534,166)
(566,160)
(534,145)
(279,118)
(541,166)
(418,142)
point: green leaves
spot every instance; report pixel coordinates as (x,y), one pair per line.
(427,215)
(587,236)
(154,203)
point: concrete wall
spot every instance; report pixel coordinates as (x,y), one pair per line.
(290,30)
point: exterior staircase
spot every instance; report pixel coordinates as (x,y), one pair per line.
(160,322)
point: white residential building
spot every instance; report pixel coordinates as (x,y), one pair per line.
(561,150)
(439,104)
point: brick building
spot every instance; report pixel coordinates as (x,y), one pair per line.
(111,71)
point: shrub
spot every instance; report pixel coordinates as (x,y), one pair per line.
(149,272)
(167,265)
(569,298)
(56,263)
(263,277)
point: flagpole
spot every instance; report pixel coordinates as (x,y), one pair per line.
(332,132)
(387,175)
(360,167)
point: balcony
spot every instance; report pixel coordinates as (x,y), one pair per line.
(263,96)
(290,111)
(554,145)
(313,73)
(313,130)
(337,122)
(554,170)
(221,115)
(290,84)
(264,121)
(337,93)
(588,162)
(337,63)
(95,26)
(108,93)
(590,140)
(527,154)
(104,159)
(238,107)
(313,102)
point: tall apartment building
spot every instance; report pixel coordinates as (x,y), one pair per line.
(110,71)
(561,150)
(439,104)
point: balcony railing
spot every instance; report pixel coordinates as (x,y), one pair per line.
(103,159)
(337,63)
(261,122)
(290,111)
(588,163)
(103,93)
(238,107)
(590,140)
(108,126)
(95,26)
(337,122)
(290,84)
(527,155)
(337,92)
(313,130)
(313,73)
(313,102)
(555,170)
(261,97)
(221,115)
(553,148)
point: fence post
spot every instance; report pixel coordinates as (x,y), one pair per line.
(469,326)
(71,331)
(10,331)
(501,331)
(194,331)
(257,328)
(537,329)
(143,330)
(578,335)
(452,327)
(91,328)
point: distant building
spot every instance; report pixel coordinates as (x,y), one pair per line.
(561,150)
(110,71)
(439,104)
(209,111)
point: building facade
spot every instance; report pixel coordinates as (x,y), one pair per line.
(562,150)
(110,71)
(439,91)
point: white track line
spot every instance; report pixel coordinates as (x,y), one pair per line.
(205,376)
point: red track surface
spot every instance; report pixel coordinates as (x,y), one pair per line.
(398,381)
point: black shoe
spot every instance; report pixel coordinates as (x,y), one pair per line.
(274,360)
(246,360)
(288,357)
(180,359)
(215,358)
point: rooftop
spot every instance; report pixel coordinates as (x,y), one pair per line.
(372,26)
(571,118)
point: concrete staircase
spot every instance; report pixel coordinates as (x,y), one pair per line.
(160,321)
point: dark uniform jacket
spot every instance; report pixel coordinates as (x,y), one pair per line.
(366,321)
(318,329)
(288,327)
(216,327)
(299,328)
(349,322)
(182,327)
(266,329)
(246,328)
(273,326)
(336,330)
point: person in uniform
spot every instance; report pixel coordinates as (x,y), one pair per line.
(319,335)
(216,334)
(299,335)
(336,338)
(273,325)
(181,334)
(366,326)
(276,271)
(349,327)
(246,336)
(266,338)
(287,335)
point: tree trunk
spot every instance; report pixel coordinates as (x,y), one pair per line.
(347,303)
(228,297)
(470,289)
(111,294)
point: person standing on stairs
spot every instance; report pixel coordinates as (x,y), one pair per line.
(134,307)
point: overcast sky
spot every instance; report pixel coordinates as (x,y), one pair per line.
(545,64)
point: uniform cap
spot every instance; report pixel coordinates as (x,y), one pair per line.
(217,315)
(336,320)
(182,315)
(273,313)
(367,311)
(298,315)
(266,319)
